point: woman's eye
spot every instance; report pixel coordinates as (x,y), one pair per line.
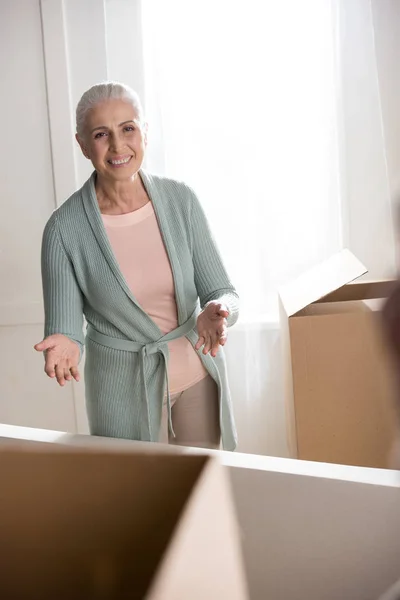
(100,134)
(129,128)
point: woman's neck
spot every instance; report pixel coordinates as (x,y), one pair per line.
(121,197)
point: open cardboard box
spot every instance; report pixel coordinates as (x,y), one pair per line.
(339,379)
(78,524)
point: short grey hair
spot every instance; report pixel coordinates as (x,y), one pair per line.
(101,92)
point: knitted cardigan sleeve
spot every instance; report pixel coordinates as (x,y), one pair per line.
(211,279)
(63,303)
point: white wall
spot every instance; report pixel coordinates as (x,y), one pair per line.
(26,201)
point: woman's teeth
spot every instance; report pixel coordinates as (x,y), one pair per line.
(122,161)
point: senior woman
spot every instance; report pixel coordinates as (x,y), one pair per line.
(133,254)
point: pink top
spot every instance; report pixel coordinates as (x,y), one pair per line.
(139,249)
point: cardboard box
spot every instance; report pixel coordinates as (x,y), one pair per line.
(393,593)
(310,530)
(78,524)
(339,380)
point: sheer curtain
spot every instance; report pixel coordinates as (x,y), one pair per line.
(240,99)
(283,116)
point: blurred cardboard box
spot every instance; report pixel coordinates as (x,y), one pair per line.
(338,376)
(393,593)
(78,524)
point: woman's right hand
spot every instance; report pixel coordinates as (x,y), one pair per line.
(62,357)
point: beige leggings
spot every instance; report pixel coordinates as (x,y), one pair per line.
(195,417)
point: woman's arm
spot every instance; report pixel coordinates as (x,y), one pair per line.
(211,279)
(63,303)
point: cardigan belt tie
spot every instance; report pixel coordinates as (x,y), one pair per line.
(144,350)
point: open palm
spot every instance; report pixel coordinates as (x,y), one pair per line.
(62,357)
(212,328)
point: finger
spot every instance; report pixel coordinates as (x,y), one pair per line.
(50,371)
(215,348)
(214,343)
(223,311)
(207,345)
(45,344)
(213,309)
(49,366)
(67,374)
(60,374)
(75,373)
(223,338)
(200,343)
(41,346)
(222,329)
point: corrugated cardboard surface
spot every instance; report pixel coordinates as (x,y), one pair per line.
(339,382)
(393,593)
(77,524)
(309,530)
(342,385)
(323,279)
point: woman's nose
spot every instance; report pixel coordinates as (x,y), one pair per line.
(116,143)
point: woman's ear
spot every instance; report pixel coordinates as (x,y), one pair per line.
(83,146)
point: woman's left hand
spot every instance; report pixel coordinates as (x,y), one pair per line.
(212,328)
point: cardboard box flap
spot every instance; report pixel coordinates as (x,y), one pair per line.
(321,280)
(78,524)
(191,570)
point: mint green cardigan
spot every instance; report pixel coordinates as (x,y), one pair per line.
(126,367)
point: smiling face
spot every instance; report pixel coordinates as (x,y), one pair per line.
(114,140)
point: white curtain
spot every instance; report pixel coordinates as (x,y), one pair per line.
(245,103)
(241,104)
(240,99)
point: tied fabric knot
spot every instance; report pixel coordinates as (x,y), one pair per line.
(148,350)
(144,350)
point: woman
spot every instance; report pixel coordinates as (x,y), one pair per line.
(133,253)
